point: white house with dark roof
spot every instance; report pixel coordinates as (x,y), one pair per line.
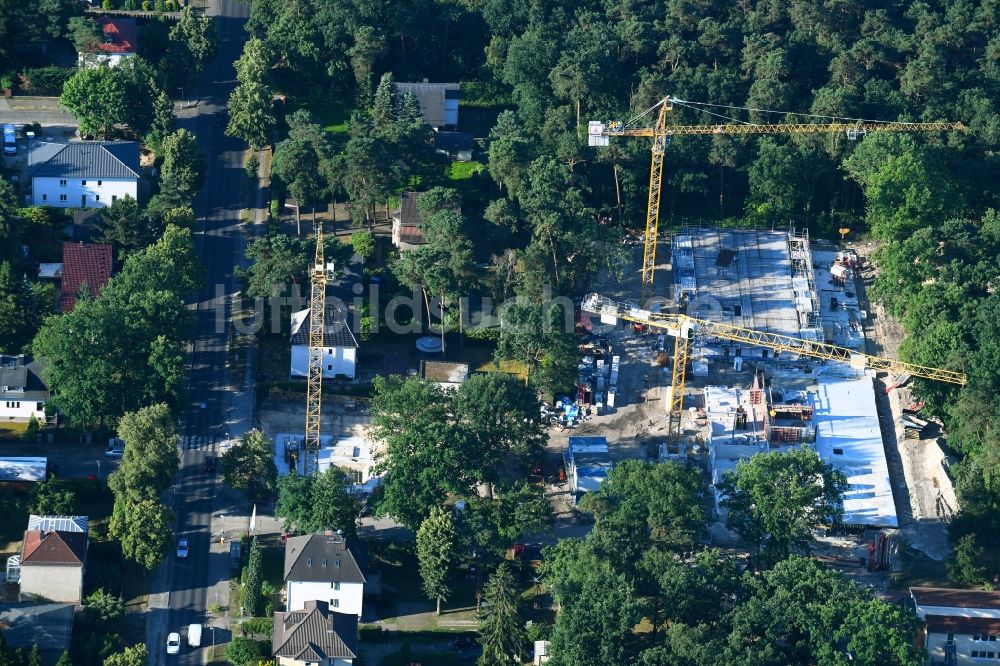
(962,626)
(84,174)
(340,347)
(315,636)
(326,567)
(23,391)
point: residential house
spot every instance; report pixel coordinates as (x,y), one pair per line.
(23,390)
(54,557)
(326,567)
(587,463)
(315,636)
(407,233)
(340,347)
(445,374)
(20,473)
(83,263)
(962,626)
(50,626)
(84,174)
(120,42)
(438,102)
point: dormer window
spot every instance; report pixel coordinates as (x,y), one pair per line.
(309,562)
(337,564)
(325,562)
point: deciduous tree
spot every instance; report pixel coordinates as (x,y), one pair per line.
(250,115)
(249,466)
(776,499)
(183,162)
(435,554)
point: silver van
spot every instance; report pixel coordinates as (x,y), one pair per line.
(194,635)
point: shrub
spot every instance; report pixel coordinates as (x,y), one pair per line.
(251,165)
(31,430)
(106,4)
(258,626)
(146,5)
(369,632)
(242,651)
(46,80)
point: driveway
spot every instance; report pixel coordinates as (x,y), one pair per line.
(68,460)
(43,110)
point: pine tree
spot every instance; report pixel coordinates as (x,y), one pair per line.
(384,106)
(64,660)
(435,554)
(501,628)
(35,657)
(252,580)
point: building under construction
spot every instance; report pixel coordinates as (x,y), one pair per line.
(837,418)
(765,280)
(775,282)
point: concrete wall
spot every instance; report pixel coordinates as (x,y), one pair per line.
(47,192)
(21,409)
(336,361)
(350,596)
(54,583)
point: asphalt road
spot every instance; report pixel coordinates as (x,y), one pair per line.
(210,414)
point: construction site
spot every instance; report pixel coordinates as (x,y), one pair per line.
(760,340)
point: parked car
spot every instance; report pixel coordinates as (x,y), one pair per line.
(210,464)
(194,635)
(173,643)
(182,548)
(9,140)
(116,448)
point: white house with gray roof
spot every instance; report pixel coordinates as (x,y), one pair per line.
(84,174)
(327,567)
(340,347)
(315,636)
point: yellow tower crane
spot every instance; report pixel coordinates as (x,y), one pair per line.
(682,327)
(661,132)
(314,386)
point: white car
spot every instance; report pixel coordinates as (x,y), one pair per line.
(182,548)
(173,643)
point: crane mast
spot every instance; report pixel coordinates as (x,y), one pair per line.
(314,387)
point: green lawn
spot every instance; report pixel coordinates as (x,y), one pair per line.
(12,429)
(465,170)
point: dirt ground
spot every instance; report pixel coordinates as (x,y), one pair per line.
(924,494)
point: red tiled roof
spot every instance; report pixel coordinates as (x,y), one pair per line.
(411,234)
(53,548)
(122,35)
(940,596)
(90,263)
(950,624)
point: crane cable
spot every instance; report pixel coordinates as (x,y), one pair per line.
(787,113)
